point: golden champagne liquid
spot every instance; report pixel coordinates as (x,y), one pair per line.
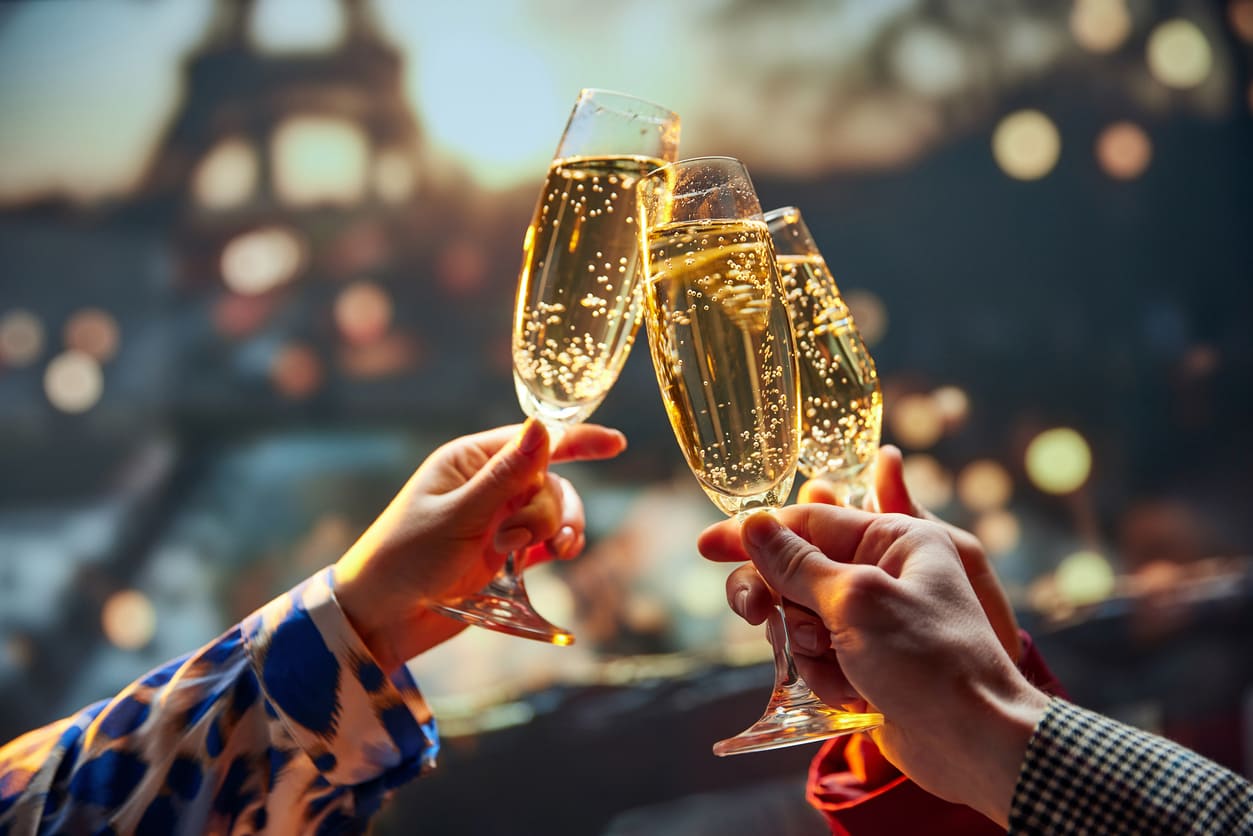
(580,292)
(721,344)
(841,400)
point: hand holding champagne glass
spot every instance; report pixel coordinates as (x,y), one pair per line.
(841,400)
(579,299)
(722,347)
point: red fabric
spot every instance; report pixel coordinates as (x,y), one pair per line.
(860,792)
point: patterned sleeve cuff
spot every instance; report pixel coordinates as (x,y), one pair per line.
(332,698)
(1086,773)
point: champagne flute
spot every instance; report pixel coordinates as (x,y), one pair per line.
(722,347)
(579,299)
(841,400)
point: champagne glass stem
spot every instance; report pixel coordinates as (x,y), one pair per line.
(794,714)
(503,605)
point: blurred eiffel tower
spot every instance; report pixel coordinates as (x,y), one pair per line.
(286,179)
(238,98)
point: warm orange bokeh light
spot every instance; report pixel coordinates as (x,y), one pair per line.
(129,620)
(930,485)
(1240,13)
(1100,25)
(363,313)
(999,531)
(984,485)
(297,371)
(1123,149)
(916,421)
(93,332)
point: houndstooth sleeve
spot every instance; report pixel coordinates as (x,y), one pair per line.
(1086,773)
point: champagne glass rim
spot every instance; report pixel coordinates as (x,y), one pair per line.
(788,214)
(709,158)
(659,114)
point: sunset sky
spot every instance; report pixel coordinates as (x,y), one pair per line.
(791,86)
(86,86)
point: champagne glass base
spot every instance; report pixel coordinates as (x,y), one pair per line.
(792,717)
(504,615)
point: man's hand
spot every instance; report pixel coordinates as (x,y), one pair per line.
(447,531)
(906,633)
(752,599)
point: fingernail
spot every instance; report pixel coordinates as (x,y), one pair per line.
(741,603)
(805,637)
(759,528)
(533,435)
(563,541)
(512,540)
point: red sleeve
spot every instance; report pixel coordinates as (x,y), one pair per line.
(860,792)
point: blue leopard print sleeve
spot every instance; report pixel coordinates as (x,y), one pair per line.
(283,724)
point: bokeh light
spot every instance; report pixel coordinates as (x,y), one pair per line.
(916,421)
(462,268)
(73,382)
(1240,13)
(21,338)
(320,160)
(999,531)
(1179,55)
(1123,150)
(1084,577)
(129,620)
(261,260)
(93,332)
(954,405)
(1100,25)
(930,61)
(1058,461)
(227,176)
(393,176)
(1026,145)
(296,371)
(870,314)
(930,485)
(984,485)
(363,312)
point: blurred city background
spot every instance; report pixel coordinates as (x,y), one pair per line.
(257,259)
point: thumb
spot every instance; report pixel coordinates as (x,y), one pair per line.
(792,566)
(890,487)
(512,471)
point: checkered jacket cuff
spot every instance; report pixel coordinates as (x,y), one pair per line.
(1085,773)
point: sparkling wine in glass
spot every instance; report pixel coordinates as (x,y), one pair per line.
(579,300)
(841,400)
(722,347)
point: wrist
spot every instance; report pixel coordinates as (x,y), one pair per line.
(1005,720)
(359,607)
